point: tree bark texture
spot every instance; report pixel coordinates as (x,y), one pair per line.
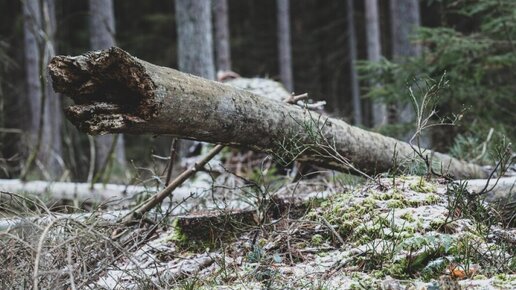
(102,36)
(284,45)
(195,51)
(222,43)
(43,104)
(352,49)
(405,20)
(117,93)
(374,53)
(195,40)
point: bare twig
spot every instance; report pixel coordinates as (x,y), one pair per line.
(333,231)
(170,166)
(484,145)
(91,170)
(160,196)
(296,98)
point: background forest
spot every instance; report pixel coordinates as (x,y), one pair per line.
(297,183)
(318,48)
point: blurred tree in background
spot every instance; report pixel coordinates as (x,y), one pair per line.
(474,45)
(472,41)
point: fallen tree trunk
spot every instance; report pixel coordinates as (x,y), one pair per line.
(81,192)
(117,93)
(503,189)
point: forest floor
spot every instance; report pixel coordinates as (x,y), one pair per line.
(404,232)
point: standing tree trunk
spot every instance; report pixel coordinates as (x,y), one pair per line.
(194,37)
(44,105)
(284,46)
(102,35)
(374,53)
(352,48)
(405,20)
(195,49)
(222,44)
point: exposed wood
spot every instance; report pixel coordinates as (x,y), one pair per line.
(117,93)
(102,36)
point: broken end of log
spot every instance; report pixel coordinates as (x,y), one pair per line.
(111,88)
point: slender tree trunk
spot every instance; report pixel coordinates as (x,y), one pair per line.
(405,19)
(222,43)
(102,35)
(374,53)
(352,48)
(148,99)
(195,49)
(284,46)
(43,104)
(194,37)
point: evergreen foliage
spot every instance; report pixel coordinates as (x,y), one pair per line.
(475,47)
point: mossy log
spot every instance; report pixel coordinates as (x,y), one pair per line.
(115,92)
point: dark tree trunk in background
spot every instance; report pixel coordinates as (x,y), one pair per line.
(102,35)
(194,37)
(374,53)
(405,20)
(195,49)
(352,49)
(284,46)
(44,106)
(222,43)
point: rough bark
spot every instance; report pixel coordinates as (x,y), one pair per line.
(102,36)
(44,105)
(222,44)
(284,46)
(374,53)
(194,37)
(54,111)
(405,19)
(195,50)
(352,50)
(118,93)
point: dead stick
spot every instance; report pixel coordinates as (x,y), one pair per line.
(160,196)
(333,231)
(171,161)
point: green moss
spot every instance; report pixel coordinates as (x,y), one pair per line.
(395,204)
(370,203)
(397,270)
(408,217)
(432,198)
(423,186)
(317,240)
(177,235)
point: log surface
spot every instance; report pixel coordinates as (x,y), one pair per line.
(115,92)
